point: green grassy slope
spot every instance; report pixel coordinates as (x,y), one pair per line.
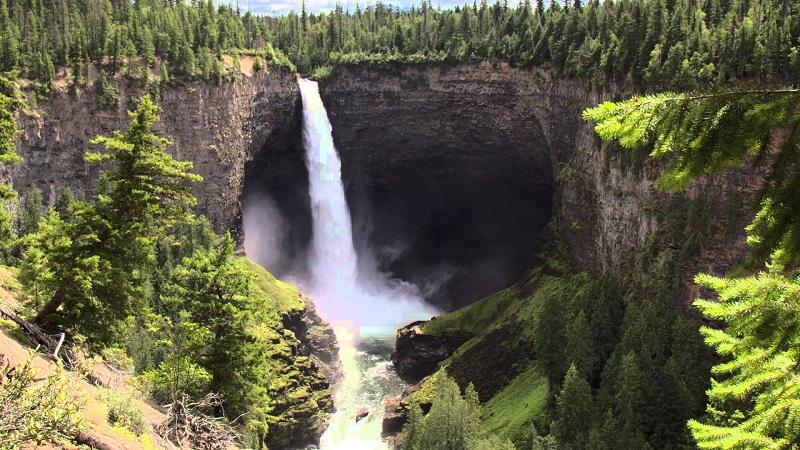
(500,360)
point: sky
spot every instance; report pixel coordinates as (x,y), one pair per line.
(284,6)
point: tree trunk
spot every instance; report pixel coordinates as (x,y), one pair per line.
(52,306)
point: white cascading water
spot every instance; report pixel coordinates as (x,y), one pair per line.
(364,308)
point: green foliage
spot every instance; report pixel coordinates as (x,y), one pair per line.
(550,340)
(123,411)
(453,422)
(91,265)
(712,133)
(36,412)
(258,63)
(753,402)
(574,411)
(217,315)
(322,73)
(679,43)
(682,44)
(649,366)
(9,104)
(30,214)
(106,93)
(510,412)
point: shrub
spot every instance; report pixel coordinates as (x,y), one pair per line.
(123,411)
(38,413)
(322,73)
(107,94)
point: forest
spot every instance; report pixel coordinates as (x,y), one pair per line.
(136,274)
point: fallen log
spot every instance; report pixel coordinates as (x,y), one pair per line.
(54,347)
(93,442)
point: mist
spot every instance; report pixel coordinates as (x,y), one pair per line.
(351,293)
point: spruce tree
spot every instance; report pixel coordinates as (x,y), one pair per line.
(9,104)
(97,258)
(214,291)
(574,411)
(580,348)
(550,340)
(30,214)
(759,342)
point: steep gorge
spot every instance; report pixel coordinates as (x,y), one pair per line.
(451,173)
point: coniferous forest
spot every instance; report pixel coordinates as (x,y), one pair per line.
(135,274)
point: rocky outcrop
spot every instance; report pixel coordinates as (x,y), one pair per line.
(304,362)
(301,402)
(417,354)
(317,339)
(218,128)
(394,416)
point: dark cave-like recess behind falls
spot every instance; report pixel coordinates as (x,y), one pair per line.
(452,205)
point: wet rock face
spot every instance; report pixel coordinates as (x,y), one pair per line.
(394,416)
(417,355)
(317,339)
(305,355)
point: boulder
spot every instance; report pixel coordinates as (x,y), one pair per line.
(394,416)
(417,354)
(361,413)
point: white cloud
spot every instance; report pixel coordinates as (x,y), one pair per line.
(284,6)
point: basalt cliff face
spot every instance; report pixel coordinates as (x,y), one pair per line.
(417,142)
(218,128)
(451,171)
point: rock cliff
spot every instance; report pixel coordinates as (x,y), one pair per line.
(218,128)
(414,141)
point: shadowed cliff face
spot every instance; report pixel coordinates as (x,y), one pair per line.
(276,203)
(448,185)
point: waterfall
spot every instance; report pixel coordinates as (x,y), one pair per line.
(364,306)
(333,257)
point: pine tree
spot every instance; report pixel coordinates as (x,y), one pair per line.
(550,340)
(9,104)
(580,349)
(98,257)
(453,423)
(761,338)
(164,77)
(106,92)
(216,311)
(31,213)
(574,411)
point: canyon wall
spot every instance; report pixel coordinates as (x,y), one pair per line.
(496,122)
(489,122)
(451,170)
(218,128)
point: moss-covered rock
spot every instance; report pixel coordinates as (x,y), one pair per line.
(299,387)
